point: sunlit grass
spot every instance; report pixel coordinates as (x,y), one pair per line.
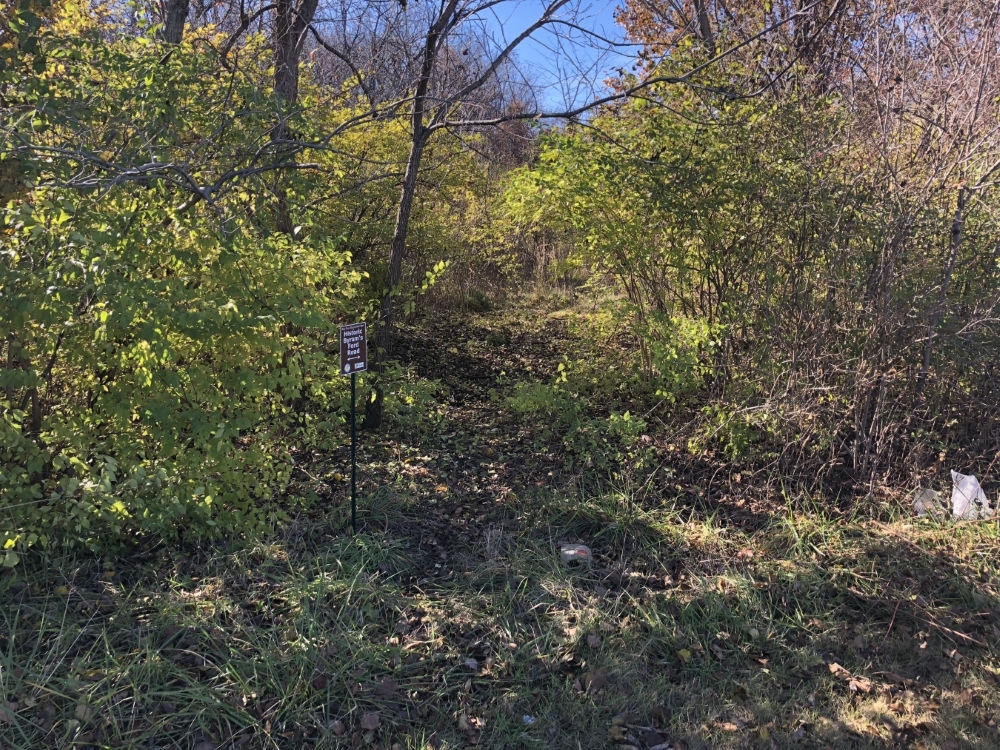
(705,635)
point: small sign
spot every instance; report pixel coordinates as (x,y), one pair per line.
(353,348)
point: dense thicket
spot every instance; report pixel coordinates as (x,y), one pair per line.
(819,259)
(173,275)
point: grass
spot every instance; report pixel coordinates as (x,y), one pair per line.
(451,622)
(683,631)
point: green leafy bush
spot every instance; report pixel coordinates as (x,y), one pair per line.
(163,355)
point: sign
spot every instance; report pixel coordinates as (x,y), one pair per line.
(354,359)
(353,348)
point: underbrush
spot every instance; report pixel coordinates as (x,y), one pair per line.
(813,631)
(691,403)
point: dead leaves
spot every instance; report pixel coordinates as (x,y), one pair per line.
(7,711)
(386,688)
(595,680)
(471,726)
(370,721)
(625,732)
(854,684)
(83,712)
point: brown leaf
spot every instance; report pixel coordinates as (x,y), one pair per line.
(838,671)
(593,640)
(860,684)
(387,688)
(320,681)
(338,728)
(83,712)
(7,711)
(594,680)
(463,722)
(616,733)
(855,684)
(370,720)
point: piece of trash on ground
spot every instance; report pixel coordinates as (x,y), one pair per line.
(575,554)
(968,500)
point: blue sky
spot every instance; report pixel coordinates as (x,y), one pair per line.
(565,71)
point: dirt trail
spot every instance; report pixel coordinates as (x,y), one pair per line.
(458,476)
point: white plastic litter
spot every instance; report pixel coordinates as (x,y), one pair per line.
(576,554)
(968,501)
(928,503)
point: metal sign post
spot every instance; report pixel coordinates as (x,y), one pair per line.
(354,359)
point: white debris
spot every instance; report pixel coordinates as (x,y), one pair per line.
(968,500)
(576,554)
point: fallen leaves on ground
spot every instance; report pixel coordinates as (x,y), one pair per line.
(855,684)
(595,679)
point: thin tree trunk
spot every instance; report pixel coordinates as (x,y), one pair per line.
(286,61)
(11,339)
(705,26)
(954,245)
(291,21)
(419,134)
(383,333)
(175,13)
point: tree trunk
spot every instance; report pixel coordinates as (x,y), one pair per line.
(954,245)
(420,132)
(705,26)
(291,21)
(175,13)
(383,333)
(11,362)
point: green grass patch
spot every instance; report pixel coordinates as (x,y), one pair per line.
(809,631)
